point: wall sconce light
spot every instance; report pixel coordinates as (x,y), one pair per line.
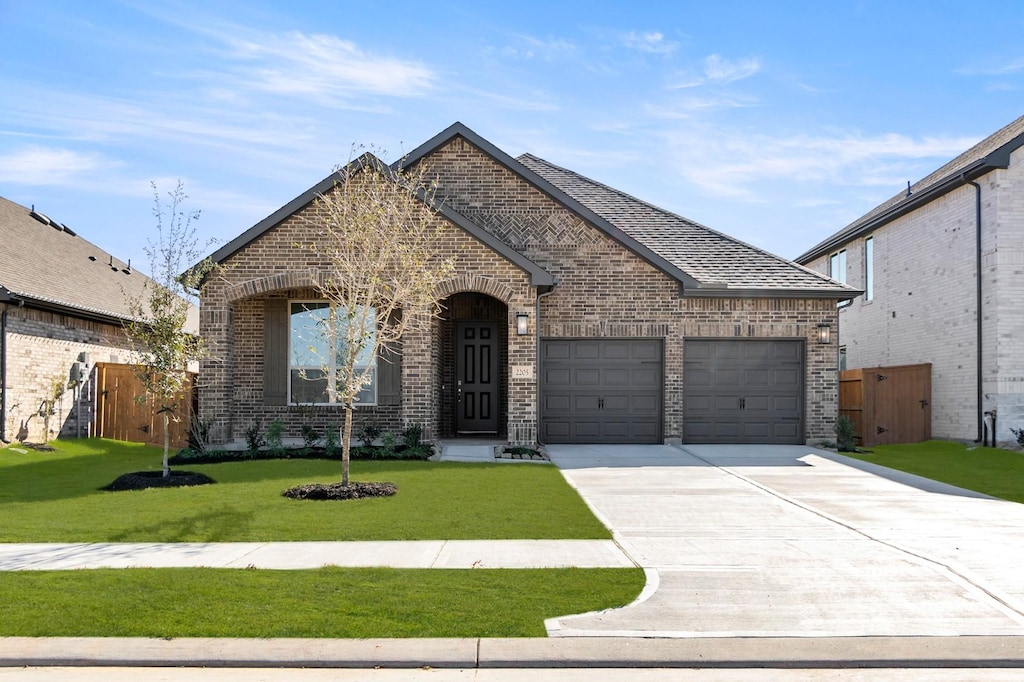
(824,333)
(522,324)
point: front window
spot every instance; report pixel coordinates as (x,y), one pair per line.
(314,328)
(869,268)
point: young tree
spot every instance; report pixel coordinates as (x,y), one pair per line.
(380,248)
(157,331)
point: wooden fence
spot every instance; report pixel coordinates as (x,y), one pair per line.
(888,404)
(122,416)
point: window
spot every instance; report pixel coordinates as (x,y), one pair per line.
(312,325)
(869,268)
(837,266)
(842,358)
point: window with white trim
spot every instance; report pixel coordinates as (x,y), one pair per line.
(315,326)
(837,266)
(869,268)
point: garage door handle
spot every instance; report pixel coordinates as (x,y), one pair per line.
(743,403)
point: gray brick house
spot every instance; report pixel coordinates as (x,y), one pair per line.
(942,269)
(62,303)
(578,314)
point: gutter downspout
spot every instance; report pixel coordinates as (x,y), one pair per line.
(536,317)
(3,372)
(978,278)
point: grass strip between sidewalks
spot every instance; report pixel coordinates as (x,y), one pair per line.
(992,471)
(327,602)
(55,497)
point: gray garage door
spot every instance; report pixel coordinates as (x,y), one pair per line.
(743,391)
(601,390)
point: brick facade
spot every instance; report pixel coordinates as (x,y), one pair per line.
(924,307)
(603,290)
(41,347)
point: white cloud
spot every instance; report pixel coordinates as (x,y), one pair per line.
(728,164)
(722,70)
(321,65)
(1011,67)
(46,166)
(649,41)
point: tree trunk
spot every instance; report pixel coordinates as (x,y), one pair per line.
(346,443)
(167,444)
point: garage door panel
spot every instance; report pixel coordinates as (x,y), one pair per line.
(602,390)
(743,390)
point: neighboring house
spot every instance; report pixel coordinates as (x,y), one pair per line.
(929,260)
(62,310)
(578,314)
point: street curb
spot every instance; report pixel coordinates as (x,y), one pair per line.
(469,653)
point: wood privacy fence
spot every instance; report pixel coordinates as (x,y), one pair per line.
(888,404)
(121,416)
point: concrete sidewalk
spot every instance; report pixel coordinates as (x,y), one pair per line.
(299,555)
(497,653)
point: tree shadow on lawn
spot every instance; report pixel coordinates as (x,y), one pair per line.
(222,525)
(290,470)
(66,478)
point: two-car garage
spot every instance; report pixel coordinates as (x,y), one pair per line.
(613,390)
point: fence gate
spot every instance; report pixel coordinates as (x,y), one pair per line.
(888,404)
(121,416)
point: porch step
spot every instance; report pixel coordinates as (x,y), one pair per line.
(466,453)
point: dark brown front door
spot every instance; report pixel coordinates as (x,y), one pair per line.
(476,378)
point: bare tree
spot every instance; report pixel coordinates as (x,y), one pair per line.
(157,332)
(380,245)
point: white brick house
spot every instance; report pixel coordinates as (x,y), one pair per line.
(917,258)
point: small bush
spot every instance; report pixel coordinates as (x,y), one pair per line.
(275,434)
(1019,433)
(412,434)
(368,434)
(254,439)
(388,441)
(845,434)
(310,436)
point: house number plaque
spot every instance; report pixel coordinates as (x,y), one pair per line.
(522,371)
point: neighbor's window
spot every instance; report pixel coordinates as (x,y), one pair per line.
(842,358)
(869,268)
(837,266)
(314,326)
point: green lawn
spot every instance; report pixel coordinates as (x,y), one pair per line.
(329,602)
(54,497)
(992,471)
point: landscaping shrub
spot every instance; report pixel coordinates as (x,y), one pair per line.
(190,456)
(845,434)
(1019,433)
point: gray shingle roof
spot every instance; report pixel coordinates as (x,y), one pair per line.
(989,154)
(710,257)
(45,263)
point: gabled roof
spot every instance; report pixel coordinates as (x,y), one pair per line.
(705,262)
(49,266)
(990,154)
(719,263)
(538,276)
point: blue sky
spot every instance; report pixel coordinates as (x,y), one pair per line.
(775,122)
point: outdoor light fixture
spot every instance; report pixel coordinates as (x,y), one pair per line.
(522,324)
(824,333)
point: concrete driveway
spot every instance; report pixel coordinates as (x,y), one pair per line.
(793,541)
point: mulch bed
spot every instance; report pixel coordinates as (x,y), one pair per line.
(337,491)
(140,480)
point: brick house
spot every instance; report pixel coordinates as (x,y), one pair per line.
(929,261)
(578,314)
(62,310)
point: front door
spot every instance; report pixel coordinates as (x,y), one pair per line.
(476,377)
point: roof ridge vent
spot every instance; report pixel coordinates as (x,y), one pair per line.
(40,217)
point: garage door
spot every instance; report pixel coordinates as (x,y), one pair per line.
(601,390)
(743,391)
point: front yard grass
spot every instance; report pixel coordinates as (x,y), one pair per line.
(328,602)
(992,471)
(55,497)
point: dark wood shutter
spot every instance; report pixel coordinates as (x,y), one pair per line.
(275,352)
(389,376)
